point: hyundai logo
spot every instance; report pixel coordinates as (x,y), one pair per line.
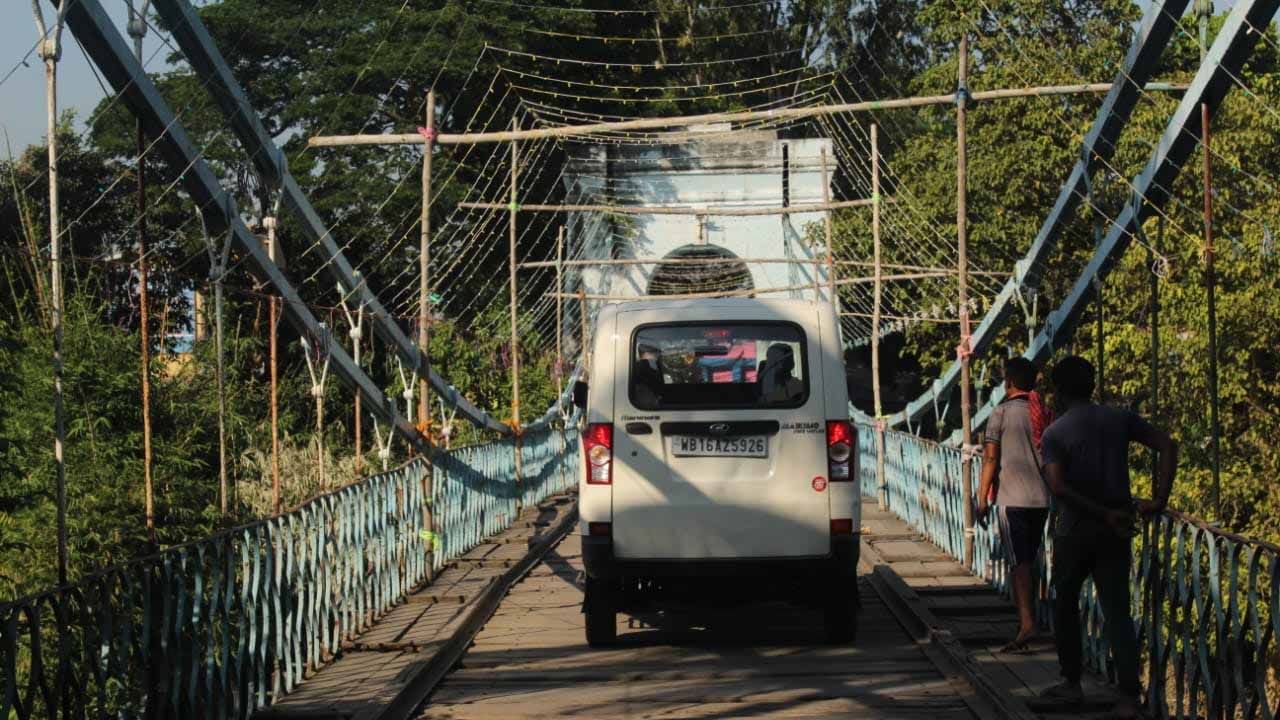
(719,429)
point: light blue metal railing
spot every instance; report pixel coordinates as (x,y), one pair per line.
(1206,603)
(224,625)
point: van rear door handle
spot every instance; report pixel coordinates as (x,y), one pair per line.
(639,428)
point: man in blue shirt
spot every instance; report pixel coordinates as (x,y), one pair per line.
(1086,463)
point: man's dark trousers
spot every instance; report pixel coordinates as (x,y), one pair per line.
(1094,550)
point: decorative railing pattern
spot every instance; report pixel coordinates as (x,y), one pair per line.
(230,623)
(1206,603)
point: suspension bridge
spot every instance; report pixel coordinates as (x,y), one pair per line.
(451,585)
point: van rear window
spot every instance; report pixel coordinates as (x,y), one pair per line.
(718,366)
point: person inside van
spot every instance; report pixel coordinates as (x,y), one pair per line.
(778,384)
(647,376)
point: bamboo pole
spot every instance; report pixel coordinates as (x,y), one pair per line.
(681,210)
(583,330)
(424,260)
(512,224)
(199,313)
(218,339)
(50,52)
(273,359)
(903,318)
(919,270)
(826,221)
(664,261)
(746,116)
(882,490)
(424,328)
(753,291)
(559,312)
(962,235)
(137,29)
(559,370)
(512,287)
(357,340)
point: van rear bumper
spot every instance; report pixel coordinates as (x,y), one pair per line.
(600,562)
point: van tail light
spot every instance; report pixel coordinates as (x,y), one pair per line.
(839,450)
(597,444)
(600,529)
(841,526)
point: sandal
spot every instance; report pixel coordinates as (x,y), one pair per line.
(1020,644)
(1016,646)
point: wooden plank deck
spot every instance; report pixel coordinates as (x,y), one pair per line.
(976,614)
(530,658)
(768,659)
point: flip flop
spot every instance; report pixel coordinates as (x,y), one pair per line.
(1016,646)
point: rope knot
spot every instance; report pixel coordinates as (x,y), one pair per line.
(429,134)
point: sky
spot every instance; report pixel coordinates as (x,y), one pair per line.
(22,117)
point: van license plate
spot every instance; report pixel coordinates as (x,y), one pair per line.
(695,446)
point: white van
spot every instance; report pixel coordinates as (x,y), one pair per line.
(718,460)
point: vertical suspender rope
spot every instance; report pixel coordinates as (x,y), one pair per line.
(355,331)
(882,488)
(964,349)
(318,379)
(1204,8)
(50,49)
(218,256)
(1100,336)
(1154,409)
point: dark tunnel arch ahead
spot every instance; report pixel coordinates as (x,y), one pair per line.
(732,275)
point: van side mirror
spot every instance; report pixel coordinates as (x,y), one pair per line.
(580,394)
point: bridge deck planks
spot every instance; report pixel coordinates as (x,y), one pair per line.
(976,613)
(531,660)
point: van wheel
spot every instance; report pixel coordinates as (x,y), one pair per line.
(840,616)
(601,611)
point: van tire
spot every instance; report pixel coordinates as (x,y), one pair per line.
(601,612)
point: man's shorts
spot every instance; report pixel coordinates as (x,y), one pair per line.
(1022,532)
